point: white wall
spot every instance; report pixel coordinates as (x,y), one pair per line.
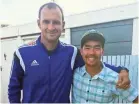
(9,31)
(29,28)
(8,47)
(25,29)
(102,16)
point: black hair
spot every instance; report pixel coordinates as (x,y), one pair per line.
(51,5)
(93,37)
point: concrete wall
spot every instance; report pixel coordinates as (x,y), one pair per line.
(102,16)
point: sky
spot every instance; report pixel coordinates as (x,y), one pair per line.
(17,12)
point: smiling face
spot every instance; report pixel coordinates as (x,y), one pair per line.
(50,24)
(92,52)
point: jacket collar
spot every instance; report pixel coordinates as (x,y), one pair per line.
(43,47)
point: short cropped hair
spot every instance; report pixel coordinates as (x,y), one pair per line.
(51,5)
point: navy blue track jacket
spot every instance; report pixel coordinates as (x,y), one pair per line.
(44,78)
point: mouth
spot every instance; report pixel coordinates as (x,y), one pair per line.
(91,58)
(52,34)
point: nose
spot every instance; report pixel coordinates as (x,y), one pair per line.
(91,51)
(50,26)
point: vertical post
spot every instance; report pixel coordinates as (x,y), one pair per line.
(135,46)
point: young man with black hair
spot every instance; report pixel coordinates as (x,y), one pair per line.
(95,82)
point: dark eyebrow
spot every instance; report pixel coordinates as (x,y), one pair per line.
(45,20)
(53,21)
(91,46)
(87,45)
(97,46)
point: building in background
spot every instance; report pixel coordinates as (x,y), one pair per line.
(118,24)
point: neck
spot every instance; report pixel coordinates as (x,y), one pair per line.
(49,45)
(93,70)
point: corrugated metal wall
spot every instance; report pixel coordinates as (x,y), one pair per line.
(118,35)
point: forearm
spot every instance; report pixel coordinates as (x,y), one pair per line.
(15,83)
(116,69)
(14,88)
(14,91)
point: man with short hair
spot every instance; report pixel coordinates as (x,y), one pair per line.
(44,70)
(95,82)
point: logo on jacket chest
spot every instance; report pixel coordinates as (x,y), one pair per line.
(34,63)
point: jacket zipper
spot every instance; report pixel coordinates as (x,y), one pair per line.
(50,93)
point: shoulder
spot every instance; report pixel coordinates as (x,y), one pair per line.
(110,71)
(26,48)
(110,75)
(67,45)
(79,70)
(28,45)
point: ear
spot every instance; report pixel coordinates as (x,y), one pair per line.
(81,51)
(102,52)
(38,22)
